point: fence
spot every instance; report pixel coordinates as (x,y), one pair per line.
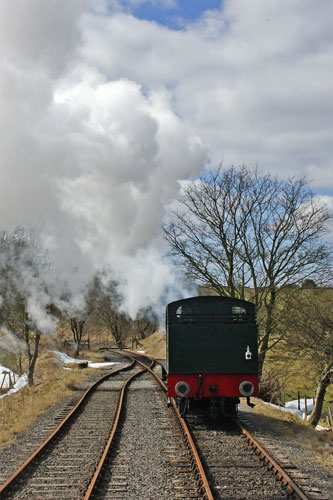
(306,399)
(83,343)
(11,379)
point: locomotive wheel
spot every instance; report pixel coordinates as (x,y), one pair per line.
(229,407)
(183,405)
(213,408)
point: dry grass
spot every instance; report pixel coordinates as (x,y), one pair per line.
(320,444)
(154,345)
(20,410)
(295,375)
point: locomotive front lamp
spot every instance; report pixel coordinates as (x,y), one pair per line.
(182,389)
(248,353)
(246,388)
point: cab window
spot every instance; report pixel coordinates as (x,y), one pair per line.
(184,314)
(238,310)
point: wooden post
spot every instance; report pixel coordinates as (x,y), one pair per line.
(330,416)
(11,381)
(299,399)
(306,407)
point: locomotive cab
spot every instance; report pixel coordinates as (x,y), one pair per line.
(212,350)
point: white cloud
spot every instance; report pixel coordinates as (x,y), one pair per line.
(327,201)
(131,150)
(35,34)
(102,114)
(253,80)
(92,161)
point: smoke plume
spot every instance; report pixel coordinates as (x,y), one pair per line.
(89,160)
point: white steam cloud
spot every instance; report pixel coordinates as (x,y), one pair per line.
(10,343)
(91,161)
(103,115)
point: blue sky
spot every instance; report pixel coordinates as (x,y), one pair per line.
(174,16)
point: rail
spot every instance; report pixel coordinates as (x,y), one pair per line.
(196,461)
(15,476)
(100,465)
(292,487)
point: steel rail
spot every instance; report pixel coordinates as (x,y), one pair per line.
(10,481)
(292,487)
(196,461)
(205,488)
(99,467)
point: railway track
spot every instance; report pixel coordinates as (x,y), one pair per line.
(62,464)
(106,449)
(239,466)
(233,471)
(68,464)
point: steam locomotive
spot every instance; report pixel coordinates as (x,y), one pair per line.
(212,352)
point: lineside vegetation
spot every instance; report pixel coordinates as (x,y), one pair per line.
(255,237)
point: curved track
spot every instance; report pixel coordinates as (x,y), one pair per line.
(95,452)
(69,462)
(60,465)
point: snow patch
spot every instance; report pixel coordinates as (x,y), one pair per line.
(20,383)
(292,407)
(65,359)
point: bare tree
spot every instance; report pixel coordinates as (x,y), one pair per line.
(23,262)
(248,235)
(78,316)
(310,336)
(145,323)
(17,321)
(107,311)
(77,326)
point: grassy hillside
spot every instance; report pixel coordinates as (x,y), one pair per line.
(19,411)
(155,345)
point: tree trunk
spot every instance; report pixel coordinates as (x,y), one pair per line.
(20,364)
(77,348)
(268,330)
(323,383)
(77,330)
(33,359)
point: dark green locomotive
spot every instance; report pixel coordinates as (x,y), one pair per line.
(212,349)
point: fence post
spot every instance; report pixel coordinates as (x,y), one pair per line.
(299,399)
(330,417)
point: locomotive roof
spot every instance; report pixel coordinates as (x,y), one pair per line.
(212,299)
